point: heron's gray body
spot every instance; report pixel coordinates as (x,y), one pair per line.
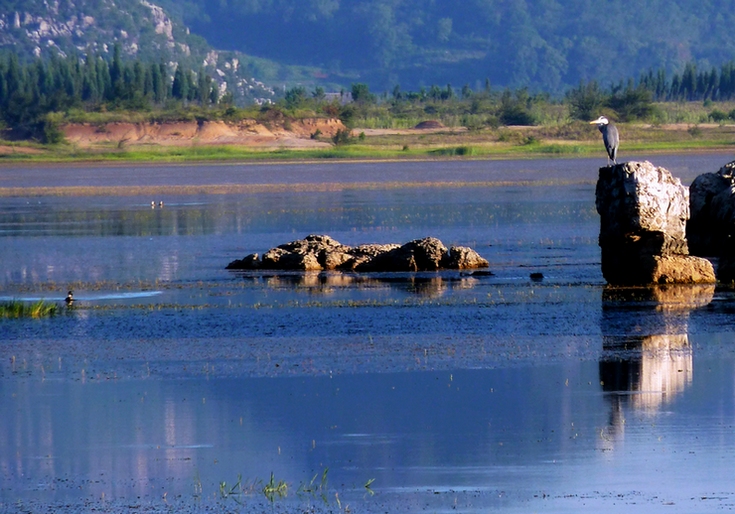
(610,138)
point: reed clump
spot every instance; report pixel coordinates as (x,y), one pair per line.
(18,309)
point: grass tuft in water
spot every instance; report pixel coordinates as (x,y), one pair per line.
(315,488)
(368,486)
(18,309)
(273,489)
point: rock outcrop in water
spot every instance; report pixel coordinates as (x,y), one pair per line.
(711,206)
(711,229)
(643,214)
(317,253)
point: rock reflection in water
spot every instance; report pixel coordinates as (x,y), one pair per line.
(430,285)
(647,358)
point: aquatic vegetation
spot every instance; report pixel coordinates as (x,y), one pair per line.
(18,309)
(313,488)
(235,491)
(278,489)
(226,492)
(273,489)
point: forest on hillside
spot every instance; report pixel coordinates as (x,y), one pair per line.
(138,29)
(546,45)
(36,96)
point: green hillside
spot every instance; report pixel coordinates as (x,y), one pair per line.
(547,45)
(264,47)
(142,30)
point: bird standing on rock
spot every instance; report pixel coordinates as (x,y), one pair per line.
(609,136)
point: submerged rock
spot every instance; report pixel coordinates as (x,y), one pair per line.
(643,213)
(316,253)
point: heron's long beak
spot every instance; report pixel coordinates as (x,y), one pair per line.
(594,122)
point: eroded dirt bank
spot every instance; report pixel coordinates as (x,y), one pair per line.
(184,133)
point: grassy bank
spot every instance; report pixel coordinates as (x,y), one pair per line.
(563,140)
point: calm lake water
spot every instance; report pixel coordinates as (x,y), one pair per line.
(174,385)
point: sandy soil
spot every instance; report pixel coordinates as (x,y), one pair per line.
(11,149)
(188,133)
(410,131)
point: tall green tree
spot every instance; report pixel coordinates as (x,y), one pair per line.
(180,87)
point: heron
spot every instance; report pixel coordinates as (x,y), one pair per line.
(609,136)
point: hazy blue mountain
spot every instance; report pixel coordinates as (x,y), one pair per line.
(543,44)
(547,45)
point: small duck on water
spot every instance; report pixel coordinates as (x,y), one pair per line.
(69,298)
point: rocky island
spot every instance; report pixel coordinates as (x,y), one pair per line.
(321,252)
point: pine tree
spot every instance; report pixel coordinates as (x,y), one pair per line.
(204,87)
(180,86)
(158,78)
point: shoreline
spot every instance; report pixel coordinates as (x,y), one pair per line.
(267,159)
(375,145)
(165,181)
(234,189)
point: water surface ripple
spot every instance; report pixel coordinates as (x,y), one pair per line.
(170,377)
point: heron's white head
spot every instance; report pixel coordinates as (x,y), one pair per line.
(600,121)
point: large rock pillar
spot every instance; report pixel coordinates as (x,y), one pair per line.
(643,214)
(711,228)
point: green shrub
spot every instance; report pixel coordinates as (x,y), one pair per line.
(341,137)
(463,151)
(717,116)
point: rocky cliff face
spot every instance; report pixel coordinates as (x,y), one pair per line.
(86,25)
(141,28)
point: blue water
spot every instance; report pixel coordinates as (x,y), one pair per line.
(415,392)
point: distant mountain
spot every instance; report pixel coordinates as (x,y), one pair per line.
(544,44)
(142,29)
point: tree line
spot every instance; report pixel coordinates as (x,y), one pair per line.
(692,84)
(31,90)
(634,100)
(623,101)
